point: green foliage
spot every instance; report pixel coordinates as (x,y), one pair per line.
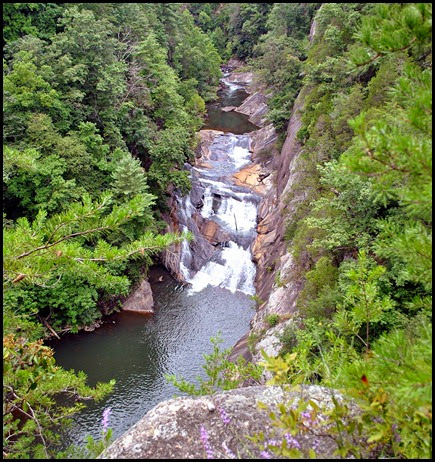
(222,374)
(272,319)
(393,28)
(196,57)
(103,67)
(26,91)
(278,280)
(43,252)
(391,386)
(367,234)
(319,296)
(363,303)
(31,384)
(70,300)
(347,212)
(38,19)
(129,179)
(92,449)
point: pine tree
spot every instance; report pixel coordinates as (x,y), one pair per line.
(129,179)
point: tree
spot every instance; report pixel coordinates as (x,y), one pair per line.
(32,383)
(129,179)
(196,57)
(363,302)
(27,92)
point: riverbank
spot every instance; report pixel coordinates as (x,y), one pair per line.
(139,350)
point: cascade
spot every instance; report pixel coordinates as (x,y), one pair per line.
(137,350)
(224,259)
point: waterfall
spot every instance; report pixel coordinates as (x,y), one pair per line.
(224,210)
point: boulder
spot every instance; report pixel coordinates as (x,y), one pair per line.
(141,301)
(205,139)
(217,426)
(240,77)
(255,106)
(251,177)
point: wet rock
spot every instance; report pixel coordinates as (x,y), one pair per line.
(228,108)
(202,250)
(201,164)
(251,177)
(205,139)
(240,77)
(255,106)
(232,64)
(141,301)
(210,230)
(177,428)
(196,195)
(93,326)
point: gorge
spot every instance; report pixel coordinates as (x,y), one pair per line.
(183,178)
(138,350)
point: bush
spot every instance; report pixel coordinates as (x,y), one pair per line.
(272,319)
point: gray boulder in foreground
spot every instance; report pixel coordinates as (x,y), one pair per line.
(172,429)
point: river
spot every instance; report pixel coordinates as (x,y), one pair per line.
(139,350)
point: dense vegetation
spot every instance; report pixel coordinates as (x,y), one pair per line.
(101,103)
(362,233)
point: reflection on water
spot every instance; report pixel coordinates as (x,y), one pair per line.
(231,121)
(139,350)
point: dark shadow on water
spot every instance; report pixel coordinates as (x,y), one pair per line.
(137,351)
(233,122)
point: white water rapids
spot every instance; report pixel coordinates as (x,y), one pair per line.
(232,207)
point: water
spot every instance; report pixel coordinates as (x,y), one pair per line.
(231,95)
(139,350)
(233,208)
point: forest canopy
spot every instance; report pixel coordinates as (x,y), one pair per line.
(101,105)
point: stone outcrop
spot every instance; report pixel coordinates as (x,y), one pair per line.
(255,107)
(141,300)
(241,77)
(264,144)
(252,176)
(183,428)
(205,139)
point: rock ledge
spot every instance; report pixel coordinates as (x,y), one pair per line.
(172,429)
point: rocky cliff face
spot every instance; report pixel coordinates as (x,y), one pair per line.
(278,281)
(173,428)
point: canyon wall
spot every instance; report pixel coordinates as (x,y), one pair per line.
(173,428)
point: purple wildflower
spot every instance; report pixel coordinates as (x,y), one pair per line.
(105,420)
(307,418)
(291,441)
(230,453)
(206,444)
(265,455)
(396,435)
(270,443)
(226,419)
